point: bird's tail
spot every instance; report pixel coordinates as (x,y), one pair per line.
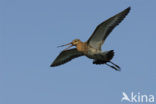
(109,55)
(104,57)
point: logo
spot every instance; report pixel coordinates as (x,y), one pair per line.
(137,97)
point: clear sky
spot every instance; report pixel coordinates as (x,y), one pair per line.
(31,30)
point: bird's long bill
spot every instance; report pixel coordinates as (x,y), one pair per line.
(66,45)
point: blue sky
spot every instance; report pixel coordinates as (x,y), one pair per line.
(31,30)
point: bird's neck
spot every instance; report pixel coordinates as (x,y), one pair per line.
(82,47)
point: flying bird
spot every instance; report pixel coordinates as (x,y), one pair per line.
(92,47)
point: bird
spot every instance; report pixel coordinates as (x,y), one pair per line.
(92,47)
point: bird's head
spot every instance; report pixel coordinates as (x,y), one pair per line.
(73,43)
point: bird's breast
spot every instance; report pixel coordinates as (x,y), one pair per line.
(82,47)
(86,49)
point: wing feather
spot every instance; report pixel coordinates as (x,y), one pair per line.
(103,30)
(66,56)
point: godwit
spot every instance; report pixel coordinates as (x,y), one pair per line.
(92,47)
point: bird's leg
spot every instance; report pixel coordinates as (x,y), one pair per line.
(114,64)
(116,68)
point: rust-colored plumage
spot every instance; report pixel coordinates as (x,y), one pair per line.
(92,47)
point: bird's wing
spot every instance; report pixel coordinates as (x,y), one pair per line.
(102,30)
(66,56)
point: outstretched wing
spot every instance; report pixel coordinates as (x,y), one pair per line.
(102,30)
(66,56)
